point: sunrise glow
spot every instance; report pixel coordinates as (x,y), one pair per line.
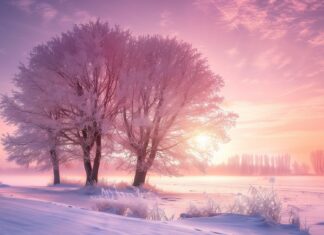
(149,117)
(203,141)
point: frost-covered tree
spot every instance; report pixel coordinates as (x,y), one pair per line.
(81,70)
(171,95)
(75,86)
(37,119)
(90,59)
(34,146)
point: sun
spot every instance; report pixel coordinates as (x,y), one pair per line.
(202,141)
(206,144)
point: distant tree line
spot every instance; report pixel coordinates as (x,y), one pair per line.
(317,160)
(261,164)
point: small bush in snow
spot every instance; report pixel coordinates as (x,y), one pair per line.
(211,208)
(123,206)
(258,202)
(294,219)
(157,213)
(130,204)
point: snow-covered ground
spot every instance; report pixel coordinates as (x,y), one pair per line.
(304,193)
(42,209)
(26,216)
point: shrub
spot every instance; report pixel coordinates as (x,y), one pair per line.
(123,206)
(157,213)
(294,219)
(211,208)
(258,202)
(131,204)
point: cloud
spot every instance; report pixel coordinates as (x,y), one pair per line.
(232,52)
(165,19)
(270,20)
(166,23)
(318,40)
(45,10)
(280,117)
(203,5)
(24,5)
(240,13)
(298,5)
(241,63)
(78,16)
(271,58)
(305,26)
(303,88)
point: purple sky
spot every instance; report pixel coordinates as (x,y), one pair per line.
(270,54)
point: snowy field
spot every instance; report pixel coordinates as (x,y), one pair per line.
(22,206)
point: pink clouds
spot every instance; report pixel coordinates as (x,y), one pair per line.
(47,11)
(272,58)
(270,20)
(243,13)
(278,127)
(269,52)
(318,40)
(24,5)
(78,16)
(232,52)
(165,20)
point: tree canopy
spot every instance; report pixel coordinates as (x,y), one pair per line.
(97,86)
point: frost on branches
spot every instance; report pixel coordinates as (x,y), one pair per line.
(171,94)
(96,87)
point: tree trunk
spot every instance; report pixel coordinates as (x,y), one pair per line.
(96,162)
(87,165)
(140,176)
(142,167)
(56,174)
(55,166)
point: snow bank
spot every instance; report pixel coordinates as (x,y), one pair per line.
(22,216)
(241,224)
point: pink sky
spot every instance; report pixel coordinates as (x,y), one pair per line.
(270,54)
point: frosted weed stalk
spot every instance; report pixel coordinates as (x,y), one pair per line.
(294,219)
(210,208)
(130,204)
(258,201)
